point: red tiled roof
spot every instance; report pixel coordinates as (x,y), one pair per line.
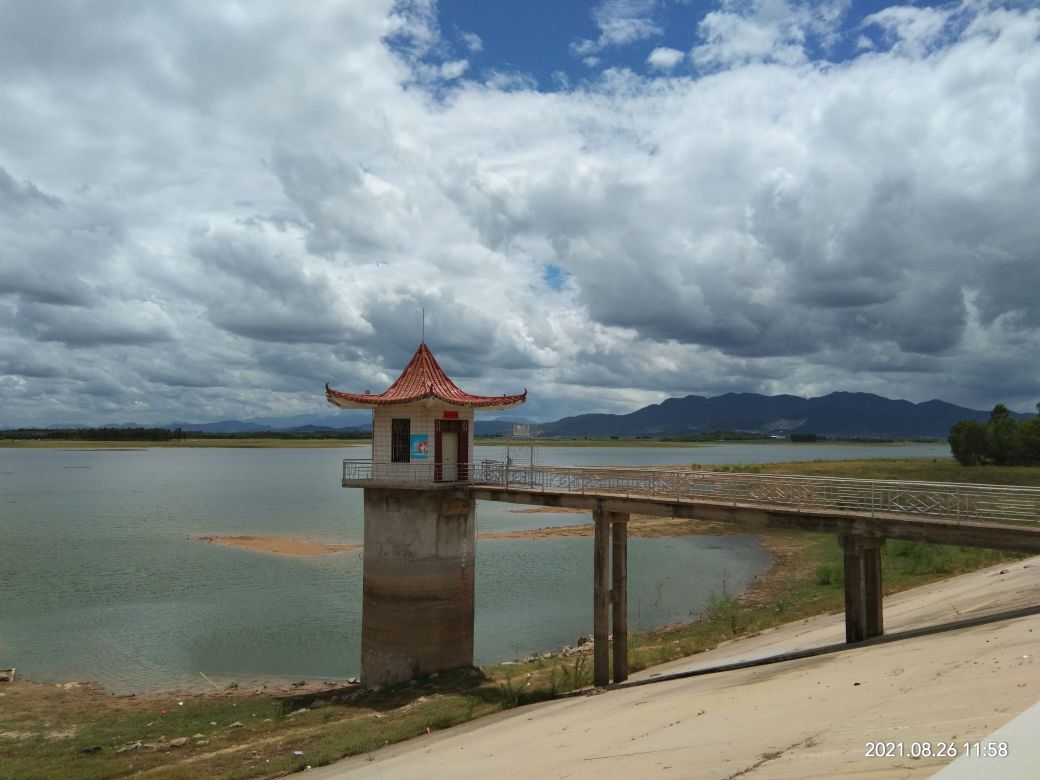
(422,378)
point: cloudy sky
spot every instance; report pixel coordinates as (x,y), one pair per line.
(209,209)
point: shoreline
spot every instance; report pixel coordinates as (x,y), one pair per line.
(781,552)
(642,526)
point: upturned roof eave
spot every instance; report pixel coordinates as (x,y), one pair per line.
(370,401)
(423,378)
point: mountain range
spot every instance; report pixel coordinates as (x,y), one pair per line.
(840,414)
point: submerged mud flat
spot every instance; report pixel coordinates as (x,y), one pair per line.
(641,527)
(279,545)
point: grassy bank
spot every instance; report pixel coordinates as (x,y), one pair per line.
(49,731)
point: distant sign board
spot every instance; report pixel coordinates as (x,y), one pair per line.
(451,415)
(420,446)
(521,431)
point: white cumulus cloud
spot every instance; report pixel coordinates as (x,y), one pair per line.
(211,214)
(620,23)
(664,58)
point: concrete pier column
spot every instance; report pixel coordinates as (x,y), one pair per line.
(417,609)
(609,596)
(619,592)
(600,599)
(863,596)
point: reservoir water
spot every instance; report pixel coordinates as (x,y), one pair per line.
(101,577)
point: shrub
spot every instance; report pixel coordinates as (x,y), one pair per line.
(826,574)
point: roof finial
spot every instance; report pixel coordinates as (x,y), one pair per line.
(422,338)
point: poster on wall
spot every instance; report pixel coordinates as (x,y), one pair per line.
(420,446)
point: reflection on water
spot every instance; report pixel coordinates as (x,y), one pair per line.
(101,581)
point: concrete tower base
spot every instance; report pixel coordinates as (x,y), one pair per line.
(417,612)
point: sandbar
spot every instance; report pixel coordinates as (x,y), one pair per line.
(640,527)
(279,545)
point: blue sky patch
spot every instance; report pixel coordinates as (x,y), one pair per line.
(555,276)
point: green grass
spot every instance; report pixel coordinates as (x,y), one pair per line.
(261,747)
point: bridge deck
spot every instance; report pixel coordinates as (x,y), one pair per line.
(950,501)
(989,516)
(935,529)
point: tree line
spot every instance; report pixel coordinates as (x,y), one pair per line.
(93,434)
(1001,440)
(165,434)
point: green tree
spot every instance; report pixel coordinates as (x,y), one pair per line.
(1002,437)
(1029,441)
(968,443)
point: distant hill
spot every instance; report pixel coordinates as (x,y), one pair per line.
(222,426)
(844,415)
(349,421)
(301,423)
(323,425)
(851,415)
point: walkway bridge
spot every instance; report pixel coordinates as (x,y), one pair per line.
(862,512)
(952,502)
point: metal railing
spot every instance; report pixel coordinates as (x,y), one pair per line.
(871,496)
(950,500)
(366,471)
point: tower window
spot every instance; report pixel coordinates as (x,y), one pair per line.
(400,430)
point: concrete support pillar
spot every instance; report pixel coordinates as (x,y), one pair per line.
(417,609)
(863,596)
(619,592)
(610,526)
(600,600)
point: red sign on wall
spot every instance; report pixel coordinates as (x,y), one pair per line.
(450,415)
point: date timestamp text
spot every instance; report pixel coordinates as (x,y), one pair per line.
(935,749)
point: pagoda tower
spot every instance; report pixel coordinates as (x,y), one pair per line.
(420,521)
